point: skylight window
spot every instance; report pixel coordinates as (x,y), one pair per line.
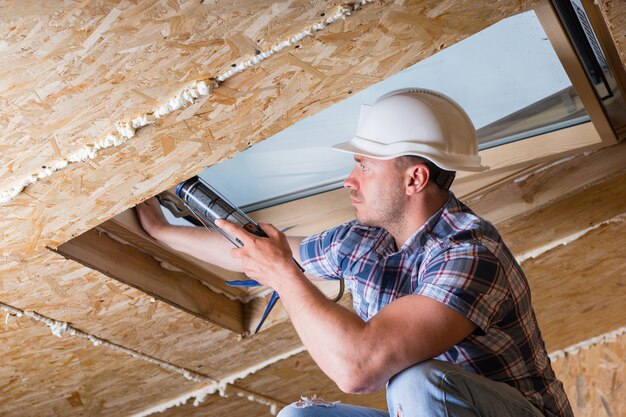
(507,77)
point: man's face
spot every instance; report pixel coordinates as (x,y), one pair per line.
(377,191)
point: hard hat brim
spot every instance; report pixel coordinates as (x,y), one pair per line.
(447,162)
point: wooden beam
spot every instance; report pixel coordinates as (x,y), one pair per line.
(126,227)
(129,265)
(559,221)
(578,289)
(549,184)
(575,71)
(542,148)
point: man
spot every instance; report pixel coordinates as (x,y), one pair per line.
(443,310)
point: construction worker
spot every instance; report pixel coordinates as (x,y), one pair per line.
(442,310)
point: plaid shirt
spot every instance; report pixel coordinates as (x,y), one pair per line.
(459,259)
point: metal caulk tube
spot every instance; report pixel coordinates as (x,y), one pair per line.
(210,205)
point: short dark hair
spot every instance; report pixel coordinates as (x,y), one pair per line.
(443,178)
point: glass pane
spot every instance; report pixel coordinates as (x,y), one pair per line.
(507,77)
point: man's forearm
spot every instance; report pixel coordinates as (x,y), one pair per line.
(206,245)
(334,336)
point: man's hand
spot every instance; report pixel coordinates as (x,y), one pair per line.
(151,218)
(265,259)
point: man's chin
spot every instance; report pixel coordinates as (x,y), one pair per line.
(365,221)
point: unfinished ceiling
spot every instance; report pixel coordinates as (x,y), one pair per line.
(72,71)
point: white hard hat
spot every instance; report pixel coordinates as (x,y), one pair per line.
(415,121)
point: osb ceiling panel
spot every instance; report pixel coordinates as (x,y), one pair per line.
(75,70)
(615,15)
(578,289)
(46,376)
(596,378)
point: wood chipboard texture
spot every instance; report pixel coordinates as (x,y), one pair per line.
(77,69)
(578,289)
(74,72)
(614,12)
(595,379)
(48,376)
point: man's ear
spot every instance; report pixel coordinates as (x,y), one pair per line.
(416,178)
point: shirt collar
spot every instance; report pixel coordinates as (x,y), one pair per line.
(414,243)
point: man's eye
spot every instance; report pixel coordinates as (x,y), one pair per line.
(363,167)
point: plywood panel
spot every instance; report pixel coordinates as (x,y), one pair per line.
(77,70)
(88,82)
(133,267)
(594,379)
(578,289)
(53,376)
(96,304)
(565,219)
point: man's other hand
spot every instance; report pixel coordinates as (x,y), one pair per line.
(151,217)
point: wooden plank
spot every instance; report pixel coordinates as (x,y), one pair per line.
(126,227)
(139,270)
(566,217)
(542,148)
(549,184)
(594,379)
(578,289)
(575,71)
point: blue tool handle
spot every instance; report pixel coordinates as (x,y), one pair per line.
(243,283)
(269,308)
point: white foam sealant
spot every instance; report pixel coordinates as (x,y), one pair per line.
(566,240)
(125,130)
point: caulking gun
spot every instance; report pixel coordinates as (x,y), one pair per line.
(208,205)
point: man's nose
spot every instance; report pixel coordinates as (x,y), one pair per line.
(350,182)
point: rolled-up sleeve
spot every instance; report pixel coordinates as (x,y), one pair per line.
(321,253)
(469,279)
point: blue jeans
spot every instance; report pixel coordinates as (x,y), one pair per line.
(433,388)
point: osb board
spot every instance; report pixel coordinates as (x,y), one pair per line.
(144,53)
(614,12)
(595,379)
(43,375)
(104,307)
(77,69)
(286,381)
(216,406)
(567,217)
(578,289)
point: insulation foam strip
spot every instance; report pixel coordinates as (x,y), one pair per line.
(228,382)
(213,386)
(125,130)
(59,328)
(534,253)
